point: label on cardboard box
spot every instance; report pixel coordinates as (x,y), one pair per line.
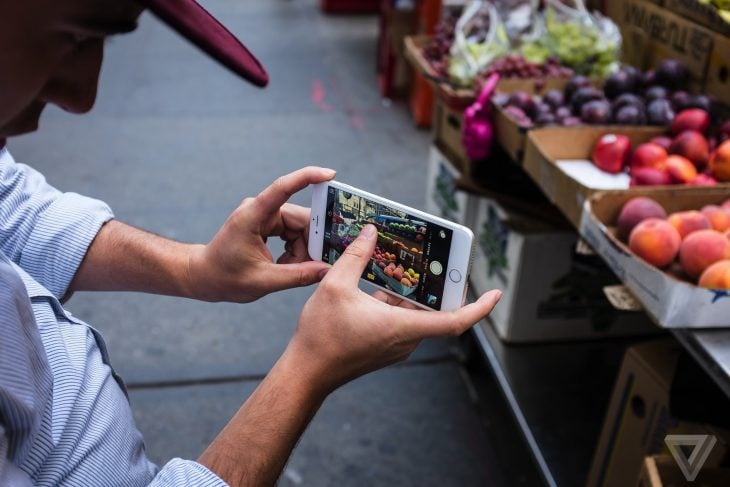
(652,34)
(550,291)
(442,197)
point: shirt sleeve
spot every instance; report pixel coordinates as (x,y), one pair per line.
(43,230)
(178,473)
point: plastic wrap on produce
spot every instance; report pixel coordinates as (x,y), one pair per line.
(479,38)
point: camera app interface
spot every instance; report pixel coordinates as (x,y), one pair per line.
(411,255)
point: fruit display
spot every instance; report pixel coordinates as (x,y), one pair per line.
(628,97)
(693,245)
(688,154)
(484,48)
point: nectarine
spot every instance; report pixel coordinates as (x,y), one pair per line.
(719,217)
(686,222)
(701,249)
(680,169)
(655,241)
(720,162)
(717,276)
(635,211)
(649,155)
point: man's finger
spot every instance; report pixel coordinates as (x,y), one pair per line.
(287,276)
(393,300)
(273,197)
(437,323)
(355,258)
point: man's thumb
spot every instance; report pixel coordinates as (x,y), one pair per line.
(350,266)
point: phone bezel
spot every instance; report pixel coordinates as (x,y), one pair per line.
(454,293)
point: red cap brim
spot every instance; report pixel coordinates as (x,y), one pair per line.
(197,25)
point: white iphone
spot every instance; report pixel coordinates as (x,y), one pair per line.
(418,256)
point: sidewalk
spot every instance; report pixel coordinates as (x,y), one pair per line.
(173,145)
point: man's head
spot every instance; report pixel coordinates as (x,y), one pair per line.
(51,51)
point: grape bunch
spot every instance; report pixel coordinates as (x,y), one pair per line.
(437,50)
(516,66)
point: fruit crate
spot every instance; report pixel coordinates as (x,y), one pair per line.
(391,283)
(349,6)
(553,156)
(671,301)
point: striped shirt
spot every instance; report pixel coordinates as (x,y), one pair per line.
(64,414)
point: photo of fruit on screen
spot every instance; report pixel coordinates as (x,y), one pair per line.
(411,255)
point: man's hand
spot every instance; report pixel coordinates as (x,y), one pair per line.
(237,266)
(342,333)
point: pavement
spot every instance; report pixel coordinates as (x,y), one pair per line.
(173,145)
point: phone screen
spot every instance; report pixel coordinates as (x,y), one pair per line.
(411,255)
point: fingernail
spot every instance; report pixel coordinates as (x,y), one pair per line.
(368,232)
(330,173)
(322,273)
(497,296)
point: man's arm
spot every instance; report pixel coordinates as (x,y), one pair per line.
(342,334)
(235,265)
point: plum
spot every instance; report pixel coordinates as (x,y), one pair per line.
(636,77)
(576,82)
(571,122)
(627,99)
(680,100)
(648,78)
(596,112)
(524,101)
(518,115)
(500,99)
(582,96)
(542,108)
(672,74)
(660,112)
(700,101)
(656,91)
(630,115)
(618,83)
(554,98)
(545,119)
(562,113)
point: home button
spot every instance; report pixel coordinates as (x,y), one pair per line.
(455,275)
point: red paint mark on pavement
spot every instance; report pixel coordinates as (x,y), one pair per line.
(318,96)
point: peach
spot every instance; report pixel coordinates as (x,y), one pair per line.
(719,218)
(649,155)
(717,276)
(686,222)
(725,204)
(703,179)
(648,176)
(655,241)
(701,249)
(635,211)
(692,145)
(691,119)
(720,162)
(662,140)
(680,169)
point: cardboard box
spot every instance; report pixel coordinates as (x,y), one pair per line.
(703,14)
(558,160)
(638,417)
(442,196)
(652,33)
(447,127)
(662,471)
(669,300)
(717,82)
(550,292)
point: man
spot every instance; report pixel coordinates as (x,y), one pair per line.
(64,416)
